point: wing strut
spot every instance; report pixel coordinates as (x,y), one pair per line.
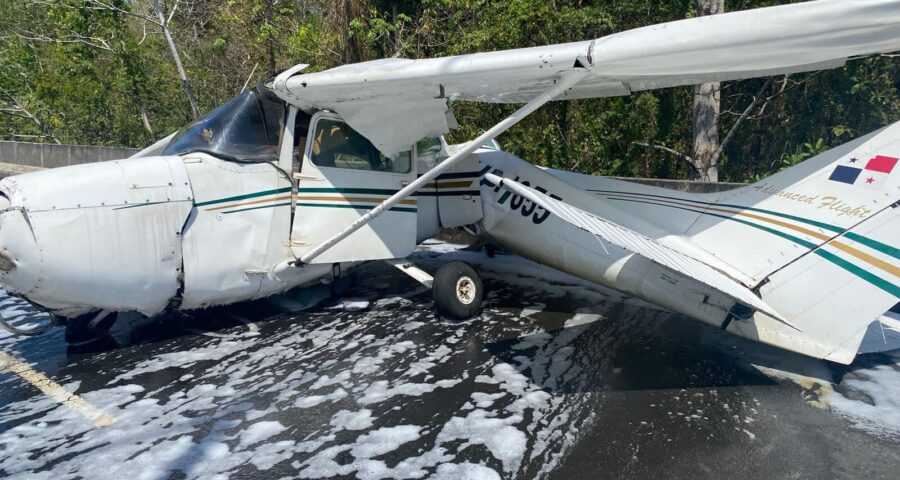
(567,80)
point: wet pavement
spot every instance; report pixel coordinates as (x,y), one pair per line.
(556,379)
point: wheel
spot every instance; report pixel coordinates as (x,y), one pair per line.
(458,291)
(84,329)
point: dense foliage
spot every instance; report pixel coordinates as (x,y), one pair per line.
(100,72)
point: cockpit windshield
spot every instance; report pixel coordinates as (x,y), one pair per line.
(247,128)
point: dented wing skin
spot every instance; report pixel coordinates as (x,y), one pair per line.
(95,236)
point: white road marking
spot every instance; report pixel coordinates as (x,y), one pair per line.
(55,390)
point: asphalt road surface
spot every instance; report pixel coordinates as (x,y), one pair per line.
(558,379)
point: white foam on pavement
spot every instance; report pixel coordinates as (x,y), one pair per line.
(347,420)
(260,431)
(870,399)
(464,471)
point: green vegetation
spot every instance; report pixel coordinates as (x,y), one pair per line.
(101,72)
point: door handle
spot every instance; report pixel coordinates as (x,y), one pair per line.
(404,183)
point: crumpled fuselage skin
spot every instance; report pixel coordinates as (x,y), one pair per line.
(127,235)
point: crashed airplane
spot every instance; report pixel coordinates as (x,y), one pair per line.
(297,181)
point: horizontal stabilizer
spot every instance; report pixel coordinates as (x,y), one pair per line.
(641,245)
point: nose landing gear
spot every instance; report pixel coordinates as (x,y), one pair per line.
(89,328)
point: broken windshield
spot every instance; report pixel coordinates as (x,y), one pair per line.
(247,128)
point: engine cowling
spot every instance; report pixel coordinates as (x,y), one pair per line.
(96,236)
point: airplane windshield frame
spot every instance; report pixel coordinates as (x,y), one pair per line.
(247,128)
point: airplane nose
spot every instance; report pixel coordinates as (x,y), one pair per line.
(20,261)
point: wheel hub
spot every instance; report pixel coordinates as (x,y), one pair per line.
(465,290)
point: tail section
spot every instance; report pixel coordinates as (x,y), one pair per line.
(818,242)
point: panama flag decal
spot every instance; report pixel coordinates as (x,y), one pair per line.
(873,174)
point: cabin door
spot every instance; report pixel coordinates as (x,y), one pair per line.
(341,177)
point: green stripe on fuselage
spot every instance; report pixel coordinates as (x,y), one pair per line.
(243,197)
(357,191)
(355,207)
(873,244)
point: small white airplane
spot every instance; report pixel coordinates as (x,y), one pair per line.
(293,183)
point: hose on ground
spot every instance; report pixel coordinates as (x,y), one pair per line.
(28,332)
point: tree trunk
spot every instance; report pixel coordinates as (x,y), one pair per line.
(341,15)
(182,74)
(270,39)
(707,104)
(146,120)
(348,43)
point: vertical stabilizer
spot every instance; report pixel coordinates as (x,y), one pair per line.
(818,242)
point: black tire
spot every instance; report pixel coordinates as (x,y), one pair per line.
(458,291)
(79,330)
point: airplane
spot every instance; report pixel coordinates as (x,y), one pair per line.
(297,181)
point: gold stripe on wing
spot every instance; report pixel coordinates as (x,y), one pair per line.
(252,202)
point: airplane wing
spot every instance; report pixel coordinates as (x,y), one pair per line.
(396,102)
(641,245)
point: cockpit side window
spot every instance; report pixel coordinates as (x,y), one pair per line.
(429,146)
(247,128)
(336,145)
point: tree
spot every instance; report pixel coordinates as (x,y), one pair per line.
(104,72)
(158,16)
(163,23)
(707,104)
(347,18)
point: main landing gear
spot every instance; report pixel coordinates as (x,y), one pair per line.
(456,287)
(458,291)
